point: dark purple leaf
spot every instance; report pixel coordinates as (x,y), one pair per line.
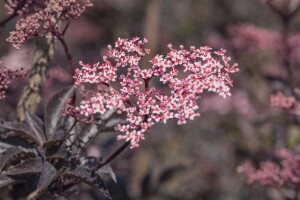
(20,129)
(48,174)
(6,180)
(35,128)
(107,169)
(29,166)
(53,110)
(12,154)
(60,154)
(92,162)
(89,177)
(58,137)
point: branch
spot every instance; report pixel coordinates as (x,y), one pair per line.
(67,52)
(113,155)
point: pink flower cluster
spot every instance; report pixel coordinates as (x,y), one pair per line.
(187,73)
(275,174)
(38,17)
(6,76)
(290,103)
(255,40)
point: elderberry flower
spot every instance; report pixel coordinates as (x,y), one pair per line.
(185,73)
(38,17)
(6,76)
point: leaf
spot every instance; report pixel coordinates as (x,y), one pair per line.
(107,169)
(38,121)
(58,137)
(10,141)
(6,180)
(92,162)
(89,177)
(4,146)
(48,174)
(12,154)
(83,139)
(21,129)
(35,128)
(89,162)
(29,166)
(53,110)
(60,154)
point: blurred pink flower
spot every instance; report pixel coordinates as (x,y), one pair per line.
(290,103)
(239,103)
(286,172)
(252,39)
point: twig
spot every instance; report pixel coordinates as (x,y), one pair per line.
(113,155)
(67,52)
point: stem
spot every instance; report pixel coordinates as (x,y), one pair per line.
(113,155)
(67,52)
(68,132)
(66,27)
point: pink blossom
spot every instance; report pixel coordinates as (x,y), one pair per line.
(290,103)
(269,173)
(6,76)
(37,17)
(254,40)
(187,73)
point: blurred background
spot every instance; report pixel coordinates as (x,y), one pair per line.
(200,159)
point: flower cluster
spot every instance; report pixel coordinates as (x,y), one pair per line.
(186,74)
(38,17)
(254,40)
(6,76)
(275,174)
(289,103)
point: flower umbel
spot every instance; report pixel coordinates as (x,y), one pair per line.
(185,74)
(6,76)
(37,17)
(274,174)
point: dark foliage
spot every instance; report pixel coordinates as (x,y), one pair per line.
(49,160)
